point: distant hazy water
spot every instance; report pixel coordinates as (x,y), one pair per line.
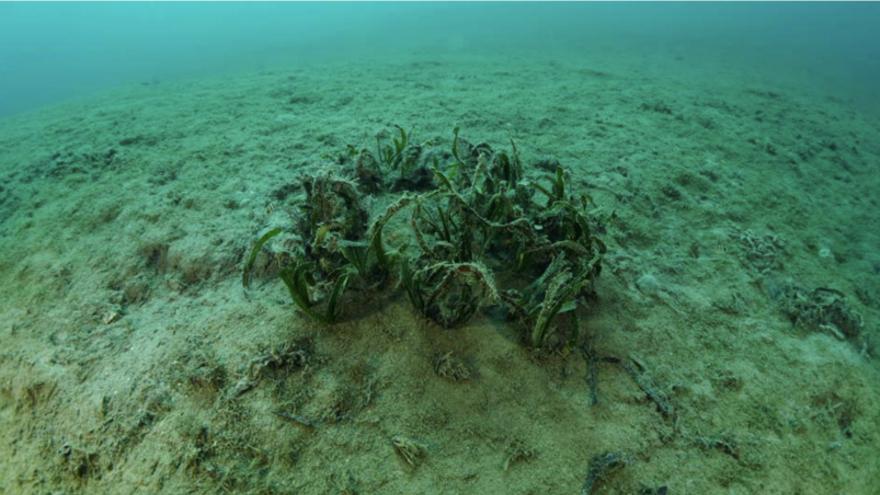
(50,52)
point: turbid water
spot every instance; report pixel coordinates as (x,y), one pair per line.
(728,344)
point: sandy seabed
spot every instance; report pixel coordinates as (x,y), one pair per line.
(132,360)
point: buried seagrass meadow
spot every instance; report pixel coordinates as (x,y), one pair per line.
(481,233)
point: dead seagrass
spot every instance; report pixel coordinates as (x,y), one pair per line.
(476,218)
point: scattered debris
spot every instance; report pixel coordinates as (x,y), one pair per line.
(636,370)
(80,463)
(762,252)
(349,486)
(660,490)
(723,444)
(287,357)
(297,420)
(602,466)
(111,317)
(517,452)
(822,309)
(411,451)
(450,367)
(657,106)
(590,358)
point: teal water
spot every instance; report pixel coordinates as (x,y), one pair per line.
(51,52)
(629,248)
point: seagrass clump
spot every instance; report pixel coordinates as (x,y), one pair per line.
(482,231)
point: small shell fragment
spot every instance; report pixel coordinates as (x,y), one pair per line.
(112,317)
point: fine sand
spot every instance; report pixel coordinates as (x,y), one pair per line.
(133,361)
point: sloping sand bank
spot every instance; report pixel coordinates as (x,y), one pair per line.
(133,361)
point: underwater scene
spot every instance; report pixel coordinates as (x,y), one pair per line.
(440,248)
